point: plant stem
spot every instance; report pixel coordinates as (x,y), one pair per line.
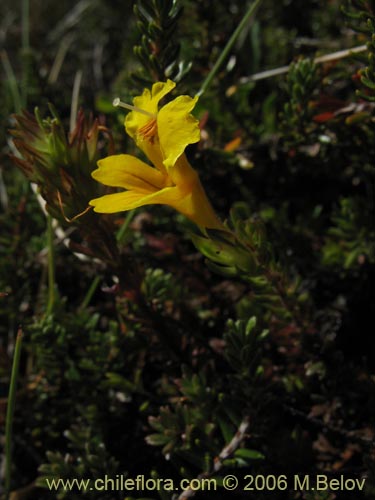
(25,24)
(229,46)
(12,81)
(75,99)
(25,49)
(90,292)
(334,56)
(225,453)
(51,266)
(123,229)
(10,412)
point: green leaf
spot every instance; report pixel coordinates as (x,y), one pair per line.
(157,439)
(227,429)
(249,454)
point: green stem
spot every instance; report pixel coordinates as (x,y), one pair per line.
(90,292)
(25,24)
(10,412)
(75,99)
(229,46)
(124,228)
(12,81)
(25,49)
(51,266)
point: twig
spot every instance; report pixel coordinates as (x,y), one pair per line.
(368,443)
(225,453)
(318,60)
(233,445)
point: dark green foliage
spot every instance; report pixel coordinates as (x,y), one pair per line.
(201,421)
(243,347)
(87,458)
(351,240)
(159,49)
(246,254)
(362,16)
(302,81)
(160,287)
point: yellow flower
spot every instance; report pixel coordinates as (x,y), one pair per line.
(162,134)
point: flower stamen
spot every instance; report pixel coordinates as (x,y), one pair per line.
(118,103)
(149,130)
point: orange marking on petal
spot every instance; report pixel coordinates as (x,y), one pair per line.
(149,130)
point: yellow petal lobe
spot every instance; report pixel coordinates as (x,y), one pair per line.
(129,200)
(129,172)
(148,101)
(177,128)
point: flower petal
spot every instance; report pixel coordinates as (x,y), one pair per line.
(192,203)
(177,128)
(128,200)
(149,102)
(117,202)
(195,205)
(128,172)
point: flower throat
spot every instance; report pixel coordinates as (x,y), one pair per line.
(148,131)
